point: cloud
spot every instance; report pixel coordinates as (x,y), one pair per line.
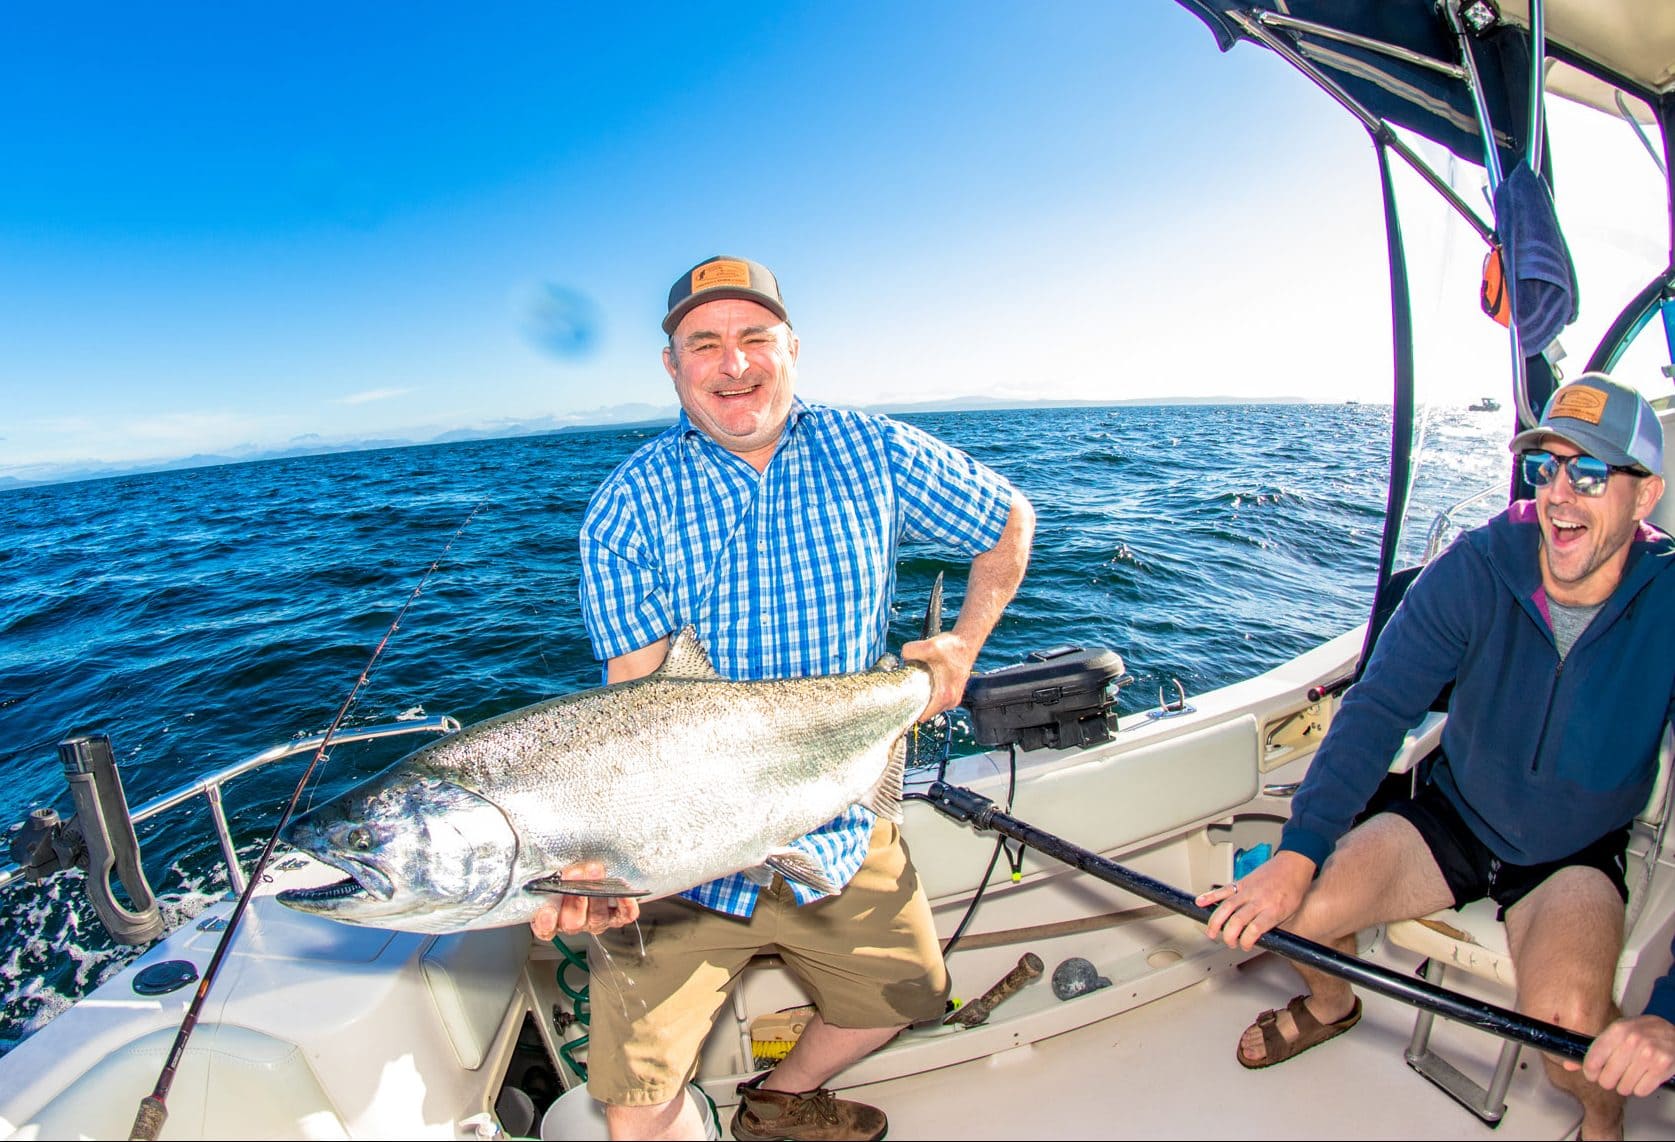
(192,429)
(371,395)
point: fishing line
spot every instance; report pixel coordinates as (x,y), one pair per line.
(154,1111)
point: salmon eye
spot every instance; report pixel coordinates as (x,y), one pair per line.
(360,838)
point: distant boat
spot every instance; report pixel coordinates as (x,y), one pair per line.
(1487,404)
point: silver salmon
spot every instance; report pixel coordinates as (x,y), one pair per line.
(670,780)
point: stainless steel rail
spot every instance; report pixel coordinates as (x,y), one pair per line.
(1444,521)
(209,787)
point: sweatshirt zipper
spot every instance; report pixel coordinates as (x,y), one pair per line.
(1547,718)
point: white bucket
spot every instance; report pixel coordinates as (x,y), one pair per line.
(575,1117)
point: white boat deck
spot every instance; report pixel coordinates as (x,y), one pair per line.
(1168,1070)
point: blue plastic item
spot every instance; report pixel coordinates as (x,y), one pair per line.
(1246,859)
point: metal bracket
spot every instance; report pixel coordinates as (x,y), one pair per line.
(1167,709)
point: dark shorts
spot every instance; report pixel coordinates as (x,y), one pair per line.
(1473,871)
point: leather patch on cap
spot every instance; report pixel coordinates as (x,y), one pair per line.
(1580,403)
(725,272)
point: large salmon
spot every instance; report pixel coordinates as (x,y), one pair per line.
(670,780)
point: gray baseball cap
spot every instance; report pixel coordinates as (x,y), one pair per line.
(721,277)
(1603,419)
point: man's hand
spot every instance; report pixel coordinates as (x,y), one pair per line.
(574,914)
(1266,898)
(949,657)
(1632,1056)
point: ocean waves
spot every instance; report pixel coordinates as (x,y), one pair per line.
(197,617)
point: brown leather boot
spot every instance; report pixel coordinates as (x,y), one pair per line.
(814,1116)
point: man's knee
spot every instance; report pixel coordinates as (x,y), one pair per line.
(1575,1006)
(1566,938)
(1382,870)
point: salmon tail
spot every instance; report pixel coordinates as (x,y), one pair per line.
(885,799)
(802,868)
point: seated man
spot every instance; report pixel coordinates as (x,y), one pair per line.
(1553,623)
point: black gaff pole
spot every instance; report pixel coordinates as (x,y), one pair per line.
(965,806)
(154,1111)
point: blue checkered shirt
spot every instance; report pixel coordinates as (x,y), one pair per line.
(785,574)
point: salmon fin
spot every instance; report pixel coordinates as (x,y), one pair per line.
(932,626)
(885,799)
(800,867)
(603,886)
(761,875)
(933,611)
(687,657)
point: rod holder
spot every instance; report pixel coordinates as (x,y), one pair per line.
(108,831)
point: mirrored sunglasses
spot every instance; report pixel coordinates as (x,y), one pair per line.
(1588,474)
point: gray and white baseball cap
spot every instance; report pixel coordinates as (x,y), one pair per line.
(1604,419)
(722,277)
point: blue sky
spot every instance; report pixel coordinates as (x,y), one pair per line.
(230,226)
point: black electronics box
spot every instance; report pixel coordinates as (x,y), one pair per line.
(1062,698)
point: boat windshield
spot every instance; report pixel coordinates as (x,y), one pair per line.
(1610,198)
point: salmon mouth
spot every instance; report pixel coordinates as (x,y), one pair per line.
(363,881)
(346,889)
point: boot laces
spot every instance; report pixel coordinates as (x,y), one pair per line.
(823,1104)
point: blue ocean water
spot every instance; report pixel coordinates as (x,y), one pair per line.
(197,617)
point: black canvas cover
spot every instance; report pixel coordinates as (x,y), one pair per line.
(1404,93)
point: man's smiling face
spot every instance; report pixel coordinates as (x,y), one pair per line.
(734,364)
(1584,539)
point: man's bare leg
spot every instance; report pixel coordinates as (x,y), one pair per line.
(1382,870)
(679,1118)
(1566,938)
(823,1050)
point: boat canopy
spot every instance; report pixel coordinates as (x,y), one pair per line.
(1459,72)
(1414,77)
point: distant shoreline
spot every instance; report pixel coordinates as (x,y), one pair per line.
(642,417)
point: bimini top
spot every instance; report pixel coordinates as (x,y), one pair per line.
(1416,81)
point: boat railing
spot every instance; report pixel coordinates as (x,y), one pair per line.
(209,787)
(1444,523)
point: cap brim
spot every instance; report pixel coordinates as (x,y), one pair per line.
(722,293)
(1589,442)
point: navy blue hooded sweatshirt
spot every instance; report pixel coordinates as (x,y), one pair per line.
(1541,758)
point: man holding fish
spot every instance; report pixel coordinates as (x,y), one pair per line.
(772,526)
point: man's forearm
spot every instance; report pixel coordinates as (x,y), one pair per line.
(994,578)
(995,575)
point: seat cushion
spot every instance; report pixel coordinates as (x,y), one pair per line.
(1470,939)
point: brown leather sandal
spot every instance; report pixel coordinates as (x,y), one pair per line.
(1276,1048)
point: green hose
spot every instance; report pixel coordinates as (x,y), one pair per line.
(578,1003)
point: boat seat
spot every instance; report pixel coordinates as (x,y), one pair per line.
(473,978)
(1473,941)
(232,1083)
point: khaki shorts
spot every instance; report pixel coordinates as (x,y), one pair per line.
(868,956)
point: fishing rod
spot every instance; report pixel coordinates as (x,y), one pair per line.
(154,1111)
(962,805)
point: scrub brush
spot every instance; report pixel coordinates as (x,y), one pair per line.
(772,1036)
